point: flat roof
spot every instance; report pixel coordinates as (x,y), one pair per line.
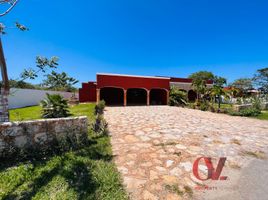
(154,77)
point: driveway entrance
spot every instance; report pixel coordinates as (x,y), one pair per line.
(155,148)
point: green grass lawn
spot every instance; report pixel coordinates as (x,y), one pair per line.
(263,115)
(88,173)
(28,113)
(34,112)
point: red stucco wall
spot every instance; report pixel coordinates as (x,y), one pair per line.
(88,92)
(127,82)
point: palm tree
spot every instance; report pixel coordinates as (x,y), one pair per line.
(217,91)
(200,87)
(60,81)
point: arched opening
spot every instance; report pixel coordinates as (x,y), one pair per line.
(112,96)
(136,96)
(192,96)
(158,97)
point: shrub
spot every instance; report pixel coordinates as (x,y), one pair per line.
(256,103)
(197,103)
(239,101)
(204,106)
(177,97)
(100,126)
(211,108)
(249,112)
(191,105)
(99,108)
(55,106)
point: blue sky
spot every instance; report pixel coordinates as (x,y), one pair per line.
(143,37)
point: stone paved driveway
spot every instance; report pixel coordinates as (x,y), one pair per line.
(155,148)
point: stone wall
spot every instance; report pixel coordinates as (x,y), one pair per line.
(238,108)
(264,106)
(40,134)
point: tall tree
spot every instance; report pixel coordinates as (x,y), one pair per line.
(242,84)
(202,75)
(199,82)
(8,5)
(218,89)
(60,81)
(261,79)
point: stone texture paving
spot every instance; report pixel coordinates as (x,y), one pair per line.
(155,147)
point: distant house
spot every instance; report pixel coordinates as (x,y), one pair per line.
(119,89)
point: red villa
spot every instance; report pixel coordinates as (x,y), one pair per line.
(117,89)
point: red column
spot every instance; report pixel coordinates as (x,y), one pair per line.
(125,97)
(98,95)
(167,96)
(148,97)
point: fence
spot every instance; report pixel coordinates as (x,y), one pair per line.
(19,98)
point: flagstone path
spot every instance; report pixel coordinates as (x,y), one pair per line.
(156,146)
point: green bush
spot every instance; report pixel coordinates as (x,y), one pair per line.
(99,108)
(256,103)
(177,97)
(100,126)
(54,106)
(211,108)
(204,106)
(249,112)
(191,105)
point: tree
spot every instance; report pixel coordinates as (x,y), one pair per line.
(60,81)
(242,84)
(200,87)
(42,65)
(4,116)
(261,79)
(199,82)
(177,97)
(11,4)
(218,89)
(20,84)
(202,75)
(3,66)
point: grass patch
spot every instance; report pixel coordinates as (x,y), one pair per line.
(256,154)
(177,154)
(235,141)
(166,144)
(174,189)
(27,113)
(87,173)
(263,115)
(234,166)
(223,106)
(188,191)
(34,112)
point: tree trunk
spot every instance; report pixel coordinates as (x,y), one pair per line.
(219,101)
(4,115)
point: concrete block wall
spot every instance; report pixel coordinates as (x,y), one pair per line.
(19,98)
